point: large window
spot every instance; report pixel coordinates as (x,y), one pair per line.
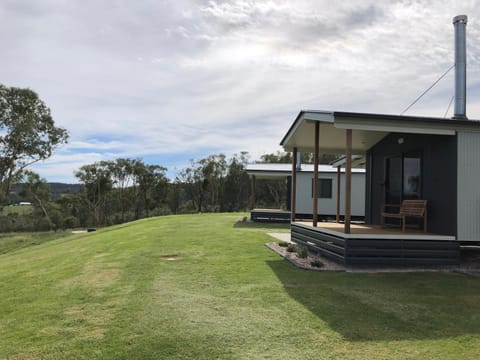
(403,178)
(411,178)
(324,188)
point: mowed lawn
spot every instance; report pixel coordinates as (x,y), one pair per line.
(206,287)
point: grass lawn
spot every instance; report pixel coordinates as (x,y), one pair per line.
(205,287)
(13,241)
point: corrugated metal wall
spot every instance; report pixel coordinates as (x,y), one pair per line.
(468,185)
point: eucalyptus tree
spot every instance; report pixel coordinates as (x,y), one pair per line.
(204,180)
(214,169)
(27,134)
(236,190)
(98,183)
(122,171)
(152,184)
(37,191)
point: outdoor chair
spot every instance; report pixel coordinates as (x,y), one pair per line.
(408,209)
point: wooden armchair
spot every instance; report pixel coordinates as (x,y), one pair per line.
(408,209)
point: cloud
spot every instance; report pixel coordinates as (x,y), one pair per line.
(173,80)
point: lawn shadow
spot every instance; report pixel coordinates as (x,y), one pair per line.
(386,306)
(240,224)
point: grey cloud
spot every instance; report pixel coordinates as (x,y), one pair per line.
(165,73)
(290,25)
(363,17)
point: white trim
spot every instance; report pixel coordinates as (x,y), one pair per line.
(318,116)
(399,129)
(308,116)
(291,132)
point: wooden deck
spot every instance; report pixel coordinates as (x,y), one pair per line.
(270,215)
(363,229)
(373,245)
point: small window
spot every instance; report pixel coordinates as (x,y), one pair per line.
(324,188)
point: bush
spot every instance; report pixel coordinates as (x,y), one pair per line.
(316,263)
(70,222)
(283,243)
(44,224)
(291,248)
(302,252)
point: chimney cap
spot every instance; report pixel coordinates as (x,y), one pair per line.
(460,18)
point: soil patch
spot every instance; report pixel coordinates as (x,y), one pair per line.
(172,257)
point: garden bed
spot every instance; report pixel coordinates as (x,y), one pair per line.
(321,263)
(470,262)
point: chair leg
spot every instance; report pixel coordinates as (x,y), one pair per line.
(425,223)
(403,223)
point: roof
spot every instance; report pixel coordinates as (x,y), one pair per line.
(278,170)
(367,128)
(357,161)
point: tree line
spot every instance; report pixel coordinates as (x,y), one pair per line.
(115,191)
(124,189)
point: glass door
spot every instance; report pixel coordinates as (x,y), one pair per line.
(393,183)
(403,178)
(411,178)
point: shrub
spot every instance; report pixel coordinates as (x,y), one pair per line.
(70,222)
(44,224)
(302,252)
(283,243)
(316,263)
(291,248)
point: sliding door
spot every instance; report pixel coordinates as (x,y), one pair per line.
(403,178)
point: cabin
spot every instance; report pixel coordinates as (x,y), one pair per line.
(406,157)
(330,178)
(434,162)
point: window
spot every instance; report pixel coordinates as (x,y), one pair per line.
(403,178)
(324,188)
(411,178)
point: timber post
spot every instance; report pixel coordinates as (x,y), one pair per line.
(294,184)
(348,180)
(315,174)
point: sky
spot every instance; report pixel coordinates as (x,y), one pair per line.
(173,80)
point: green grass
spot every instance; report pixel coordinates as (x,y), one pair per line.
(14,241)
(205,287)
(20,210)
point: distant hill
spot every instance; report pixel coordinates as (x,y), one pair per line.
(59,189)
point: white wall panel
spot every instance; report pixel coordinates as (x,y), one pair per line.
(329,206)
(468,186)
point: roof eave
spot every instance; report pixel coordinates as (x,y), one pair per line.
(307,115)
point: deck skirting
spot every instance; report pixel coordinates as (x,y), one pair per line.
(267,215)
(404,250)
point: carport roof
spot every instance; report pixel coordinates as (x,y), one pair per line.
(367,128)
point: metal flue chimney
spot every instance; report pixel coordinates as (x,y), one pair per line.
(460,25)
(299,161)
